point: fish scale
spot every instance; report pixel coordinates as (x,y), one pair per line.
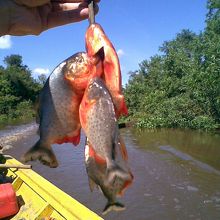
(97,117)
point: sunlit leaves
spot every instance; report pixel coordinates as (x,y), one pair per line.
(181,87)
(18,91)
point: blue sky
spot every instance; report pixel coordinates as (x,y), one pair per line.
(136,29)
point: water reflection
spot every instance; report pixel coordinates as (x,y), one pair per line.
(202,146)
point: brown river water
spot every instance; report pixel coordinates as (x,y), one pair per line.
(176,173)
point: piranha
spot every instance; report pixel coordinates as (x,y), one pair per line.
(58,106)
(99,122)
(95,40)
(97,173)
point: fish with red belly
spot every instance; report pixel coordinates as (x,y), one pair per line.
(58,108)
(108,157)
(96,39)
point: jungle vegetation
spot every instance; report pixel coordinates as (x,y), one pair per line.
(18,91)
(180,86)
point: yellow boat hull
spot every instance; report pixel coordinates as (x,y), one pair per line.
(41,200)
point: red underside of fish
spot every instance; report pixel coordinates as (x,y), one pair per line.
(95,40)
(126,185)
(84,108)
(74,140)
(97,158)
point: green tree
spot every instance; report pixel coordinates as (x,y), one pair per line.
(13,60)
(18,91)
(180,87)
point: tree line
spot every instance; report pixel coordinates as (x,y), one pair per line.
(18,91)
(180,87)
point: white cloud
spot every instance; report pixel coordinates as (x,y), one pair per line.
(5,42)
(120,52)
(39,71)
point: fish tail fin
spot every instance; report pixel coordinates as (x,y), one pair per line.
(41,152)
(116,206)
(114,171)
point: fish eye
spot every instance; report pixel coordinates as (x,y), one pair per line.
(80,60)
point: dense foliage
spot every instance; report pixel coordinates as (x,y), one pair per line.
(181,86)
(18,91)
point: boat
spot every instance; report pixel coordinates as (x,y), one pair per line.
(39,199)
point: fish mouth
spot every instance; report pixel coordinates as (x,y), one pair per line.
(100,55)
(97,59)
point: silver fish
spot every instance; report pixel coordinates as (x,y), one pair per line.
(58,106)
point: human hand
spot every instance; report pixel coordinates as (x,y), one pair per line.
(33,17)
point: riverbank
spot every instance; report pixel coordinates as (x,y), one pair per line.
(12,134)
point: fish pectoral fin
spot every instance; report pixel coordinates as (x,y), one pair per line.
(116,206)
(92,185)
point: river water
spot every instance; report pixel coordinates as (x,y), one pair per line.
(176,173)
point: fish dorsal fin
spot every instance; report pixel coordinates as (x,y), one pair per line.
(92,184)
